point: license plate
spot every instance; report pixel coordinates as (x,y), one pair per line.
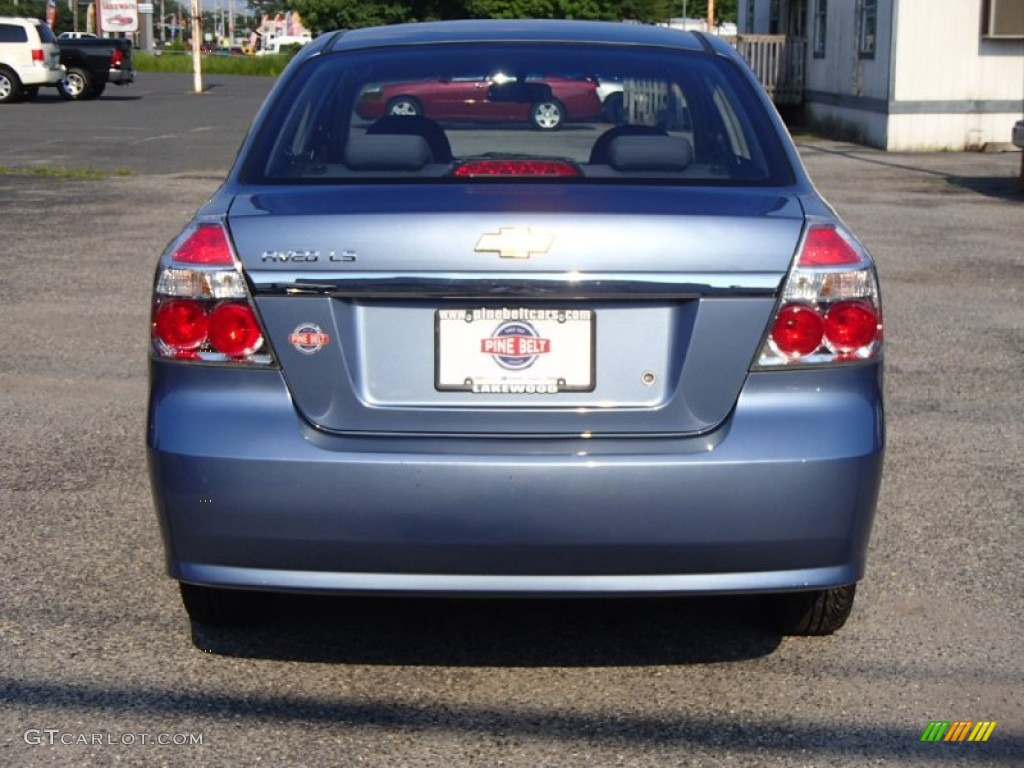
(514,350)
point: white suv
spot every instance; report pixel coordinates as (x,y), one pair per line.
(29,58)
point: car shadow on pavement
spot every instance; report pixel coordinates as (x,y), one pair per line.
(53,98)
(764,740)
(503,633)
(116,97)
(1001,187)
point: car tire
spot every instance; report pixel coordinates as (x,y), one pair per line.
(29,92)
(816,613)
(222,607)
(76,85)
(10,86)
(404,106)
(547,115)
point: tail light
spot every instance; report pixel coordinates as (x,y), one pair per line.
(38,55)
(830,310)
(116,59)
(202,310)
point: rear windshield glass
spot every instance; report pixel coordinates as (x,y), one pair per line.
(565,113)
(46,34)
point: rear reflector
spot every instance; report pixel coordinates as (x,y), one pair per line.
(476,168)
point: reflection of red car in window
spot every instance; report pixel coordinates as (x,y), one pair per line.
(546,104)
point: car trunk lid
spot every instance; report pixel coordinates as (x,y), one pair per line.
(515,309)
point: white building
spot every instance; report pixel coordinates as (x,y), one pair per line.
(905,74)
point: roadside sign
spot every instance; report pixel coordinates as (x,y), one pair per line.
(118,15)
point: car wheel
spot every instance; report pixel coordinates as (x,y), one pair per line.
(821,612)
(10,86)
(222,607)
(547,116)
(405,106)
(29,92)
(614,109)
(96,91)
(76,84)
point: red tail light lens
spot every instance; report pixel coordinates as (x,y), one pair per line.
(825,247)
(850,325)
(208,244)
(234,330)
(181,325)
(517,168)
(798,330)
(38,55)
(116,59)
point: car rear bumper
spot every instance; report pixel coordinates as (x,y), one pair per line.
(781,496)
(121,76)
(40,76)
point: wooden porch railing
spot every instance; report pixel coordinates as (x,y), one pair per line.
(778,62)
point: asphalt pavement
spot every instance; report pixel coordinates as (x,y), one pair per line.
(157,125)
(99,665)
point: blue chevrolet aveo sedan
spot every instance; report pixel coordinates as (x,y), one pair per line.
(517,308)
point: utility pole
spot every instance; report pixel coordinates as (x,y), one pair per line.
(197,32)
(711,15)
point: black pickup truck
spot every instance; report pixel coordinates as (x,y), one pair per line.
(90,63)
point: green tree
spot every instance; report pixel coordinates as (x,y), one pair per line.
(36,9)
(268,7)
(725,10)
(323,15)
(660,10)
(542,9)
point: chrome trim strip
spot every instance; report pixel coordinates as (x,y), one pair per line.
(452,584)
(515,285)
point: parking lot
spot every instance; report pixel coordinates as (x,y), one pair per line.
(99,665)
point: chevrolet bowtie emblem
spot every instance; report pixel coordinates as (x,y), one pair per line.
(514,242)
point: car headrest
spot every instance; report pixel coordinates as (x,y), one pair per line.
(387,152)
(416,125)
(650,153)
(599,152)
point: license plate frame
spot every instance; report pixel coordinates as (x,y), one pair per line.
(515,350)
